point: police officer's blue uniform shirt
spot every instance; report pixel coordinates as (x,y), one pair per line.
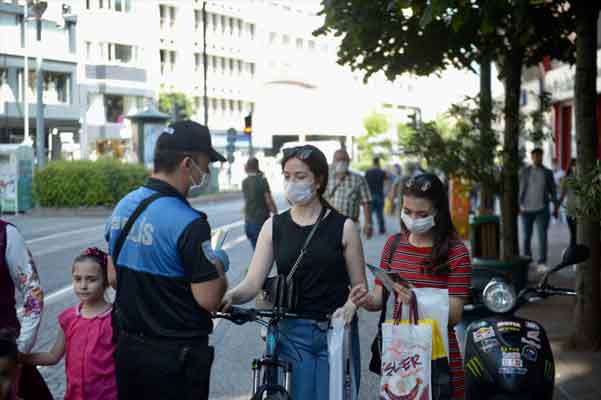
(162,255)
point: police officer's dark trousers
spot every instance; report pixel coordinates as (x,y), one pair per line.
(152,369)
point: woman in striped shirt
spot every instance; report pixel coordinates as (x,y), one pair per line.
(429,254)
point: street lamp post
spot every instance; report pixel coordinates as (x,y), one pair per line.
(26,138)
(38,8)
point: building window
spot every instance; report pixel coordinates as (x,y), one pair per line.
(88,5)
(163,57)
(222,23)
(215,21)
(252,31)
(114,108)
(88,50)
(197,19)
(285,40)
(57,86)
(239,27)
(121,53)
(231,23)
(223,105)
(162,15)
(311,45)
(231,65)
(252,70)
(222,65)
(239,65)
(172,16)
(272,37)
(231,106)
(101,4)
(197,61)
(172,59)
(213,104)
(299,43)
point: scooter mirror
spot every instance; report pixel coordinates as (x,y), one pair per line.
(575,254)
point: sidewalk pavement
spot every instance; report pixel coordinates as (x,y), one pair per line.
(577,374)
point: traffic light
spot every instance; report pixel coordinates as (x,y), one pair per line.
(248,124)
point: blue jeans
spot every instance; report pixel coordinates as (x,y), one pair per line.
(305,344)
(541,218)
(377,206)
(252,233)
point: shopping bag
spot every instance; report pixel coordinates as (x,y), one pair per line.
(406,359)
(342,369)
(440,375)
(433,304)
(388,206)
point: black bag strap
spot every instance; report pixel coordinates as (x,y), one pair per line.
(303,250)
(386,293)
(130,223)
(335,188)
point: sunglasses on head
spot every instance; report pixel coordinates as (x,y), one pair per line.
(423,183)
(300,152)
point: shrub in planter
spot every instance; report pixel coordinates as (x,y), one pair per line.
(86,183)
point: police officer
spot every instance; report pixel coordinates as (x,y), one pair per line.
(167,277)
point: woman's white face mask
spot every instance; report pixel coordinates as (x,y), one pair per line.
(418,225)
(299,193)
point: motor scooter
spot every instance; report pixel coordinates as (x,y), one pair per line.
(505,356)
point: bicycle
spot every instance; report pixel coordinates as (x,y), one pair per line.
(271,376)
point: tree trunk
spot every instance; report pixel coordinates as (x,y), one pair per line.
(511,154)
(587,316)
(486,192)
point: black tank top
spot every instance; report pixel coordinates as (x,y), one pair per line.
(322,277)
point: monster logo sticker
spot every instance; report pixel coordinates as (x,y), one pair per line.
(549,370)
(475,367)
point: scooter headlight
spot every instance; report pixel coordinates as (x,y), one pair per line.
(499,296)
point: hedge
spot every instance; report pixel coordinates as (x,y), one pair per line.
(86,183)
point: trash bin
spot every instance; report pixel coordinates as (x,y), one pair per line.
(515,270)
(485,236)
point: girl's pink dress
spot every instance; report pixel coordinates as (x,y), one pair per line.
(90,365)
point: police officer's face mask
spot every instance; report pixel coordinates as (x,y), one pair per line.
(197,188)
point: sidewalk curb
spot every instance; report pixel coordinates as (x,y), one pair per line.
(106,211)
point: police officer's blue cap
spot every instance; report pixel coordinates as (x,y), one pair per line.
(188,136)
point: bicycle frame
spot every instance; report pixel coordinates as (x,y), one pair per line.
(269,372)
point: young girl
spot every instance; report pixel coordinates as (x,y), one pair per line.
(429,254)
(85,334)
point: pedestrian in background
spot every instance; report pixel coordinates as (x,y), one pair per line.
(167,276)
(84,334)
(347,192)
(376,177)
(570,198)
(411,169)
(558,175)
(333,262)
(537,191)
(19,277)
(258,201)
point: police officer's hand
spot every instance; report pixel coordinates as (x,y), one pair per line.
(226,302)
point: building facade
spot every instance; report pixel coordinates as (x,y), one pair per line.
(54,56)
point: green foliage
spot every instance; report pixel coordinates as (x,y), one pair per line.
(587,188)
(183,104)
(374,142)
(86,183)
(457,146)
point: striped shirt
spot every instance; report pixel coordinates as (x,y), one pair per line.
(409,261)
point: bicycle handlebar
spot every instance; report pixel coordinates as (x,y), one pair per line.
(240,315)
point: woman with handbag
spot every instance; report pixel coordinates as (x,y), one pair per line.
(319,256)
(428,254)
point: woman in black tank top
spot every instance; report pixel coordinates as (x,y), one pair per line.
(333,263)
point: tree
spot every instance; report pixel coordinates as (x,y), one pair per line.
(587,326)
(373,142)
(426,36)
(176,104)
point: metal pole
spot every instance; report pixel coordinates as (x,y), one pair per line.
(26,138)
(204,60)
(40,129)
